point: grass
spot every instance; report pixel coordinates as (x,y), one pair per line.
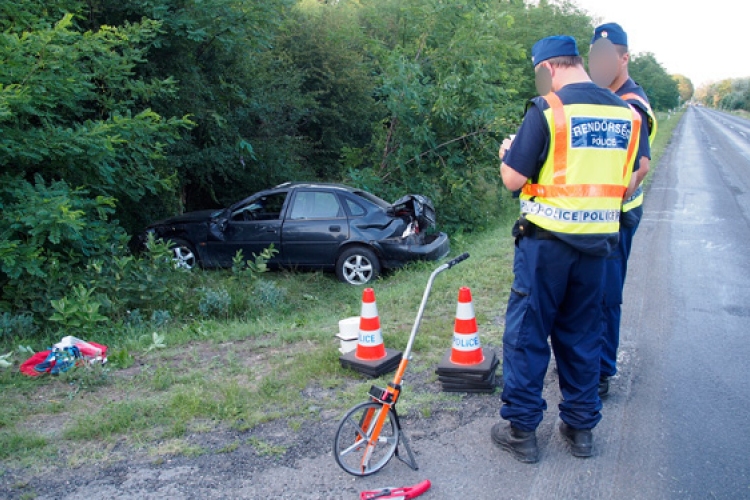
(241,374)
(280,364)
(266,449)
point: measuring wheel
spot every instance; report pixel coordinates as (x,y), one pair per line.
(368,435)
(354,449)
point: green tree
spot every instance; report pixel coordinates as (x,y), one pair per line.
(661,89)
(446,91)
(73,112)
(329,49)
(242,93)
(685,87)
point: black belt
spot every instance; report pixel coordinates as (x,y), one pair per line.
(539,233)
(524,228)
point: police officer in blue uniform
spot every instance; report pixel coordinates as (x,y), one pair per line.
(571,161)
(608,65)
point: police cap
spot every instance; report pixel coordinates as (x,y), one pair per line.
(612,32)
(553,46)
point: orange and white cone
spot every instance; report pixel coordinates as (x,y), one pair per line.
(370,345)
(466,348)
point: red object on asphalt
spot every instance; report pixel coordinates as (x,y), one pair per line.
(404,493)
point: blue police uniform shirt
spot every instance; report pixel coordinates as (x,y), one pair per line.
(531,146)
(644,147)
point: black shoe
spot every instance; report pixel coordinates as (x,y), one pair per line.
(521,444)
(603,386)
(581,440)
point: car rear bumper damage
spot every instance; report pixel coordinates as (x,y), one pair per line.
(396,252)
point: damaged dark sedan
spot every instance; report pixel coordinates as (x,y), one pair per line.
(313,226)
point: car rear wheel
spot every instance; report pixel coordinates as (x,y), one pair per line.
(357,266)
(183,255)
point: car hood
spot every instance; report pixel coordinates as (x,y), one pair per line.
(416,205)
(197,216)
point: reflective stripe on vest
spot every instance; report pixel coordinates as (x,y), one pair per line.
(558,214)
(636,200)
(647,107)
(578,191)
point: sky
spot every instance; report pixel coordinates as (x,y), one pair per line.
(706,42)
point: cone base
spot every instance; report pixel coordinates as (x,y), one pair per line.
(374,368)
(474,390)
(490,362)
(471,378)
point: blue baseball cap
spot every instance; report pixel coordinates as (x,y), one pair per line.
(612,32)
(553,46)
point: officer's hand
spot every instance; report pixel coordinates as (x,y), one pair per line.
(505,146)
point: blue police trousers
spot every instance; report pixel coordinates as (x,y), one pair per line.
(616,269)
(556,293)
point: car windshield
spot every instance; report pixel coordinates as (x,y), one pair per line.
(373,199)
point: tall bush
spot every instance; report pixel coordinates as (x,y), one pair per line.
(78,136)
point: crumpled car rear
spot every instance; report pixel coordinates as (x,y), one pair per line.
(410,241)
(418,207)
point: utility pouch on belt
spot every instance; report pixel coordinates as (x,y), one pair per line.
(520,228)
(524,228)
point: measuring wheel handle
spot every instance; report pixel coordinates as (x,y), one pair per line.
(457,260)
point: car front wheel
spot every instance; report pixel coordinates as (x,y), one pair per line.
(183,255)
(357,266)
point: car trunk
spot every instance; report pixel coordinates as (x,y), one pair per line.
(416,207)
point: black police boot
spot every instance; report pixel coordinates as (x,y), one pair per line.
(581,440)
(521,444)
(603,386)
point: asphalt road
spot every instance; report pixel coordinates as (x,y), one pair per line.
(676,422)
(685,427)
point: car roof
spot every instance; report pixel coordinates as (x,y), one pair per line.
(361,193)
(342,187)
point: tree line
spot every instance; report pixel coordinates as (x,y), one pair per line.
(729,94)
(117,113)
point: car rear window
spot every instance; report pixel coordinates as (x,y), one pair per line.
(372,199)
(355,208)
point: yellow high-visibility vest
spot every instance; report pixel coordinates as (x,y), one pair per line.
(636,199)
(581,184)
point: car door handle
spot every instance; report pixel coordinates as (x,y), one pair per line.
(334,229)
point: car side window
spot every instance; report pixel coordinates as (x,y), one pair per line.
(355,208)
(315,205)
(273,205)
(265,208)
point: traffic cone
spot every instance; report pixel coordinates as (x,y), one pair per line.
(370,345)
(466,348)
(467,367)
(371,356)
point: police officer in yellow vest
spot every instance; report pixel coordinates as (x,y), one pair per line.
(608,65)
(571,159)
